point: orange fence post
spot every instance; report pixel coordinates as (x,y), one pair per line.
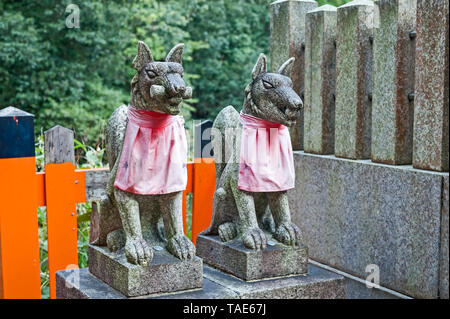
(202,195)
(19,238)
(204,179)
(61,199)
(185,192)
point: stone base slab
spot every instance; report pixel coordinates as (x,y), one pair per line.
(165,274)
(232,257)
(318,284)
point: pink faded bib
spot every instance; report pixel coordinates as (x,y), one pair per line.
(266,161)
(154,154)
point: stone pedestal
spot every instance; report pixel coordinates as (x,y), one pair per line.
(165,274)
(318,284)
(232,257)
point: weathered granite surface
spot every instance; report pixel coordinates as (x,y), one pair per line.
(165,274)
(393,81)
(355,22)
(443,266)
(431,102)
(287,39)
(357,290)
(232,257)
(319,284)
(355,213)
(320,80)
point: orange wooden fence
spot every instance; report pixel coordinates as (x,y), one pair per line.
(60,188)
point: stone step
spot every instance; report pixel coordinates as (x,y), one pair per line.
(317,284)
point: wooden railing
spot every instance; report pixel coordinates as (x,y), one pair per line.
(60,188)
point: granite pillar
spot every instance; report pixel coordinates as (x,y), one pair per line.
(287,39)
(320,80)
(431,86)
(393,82)
(355,21)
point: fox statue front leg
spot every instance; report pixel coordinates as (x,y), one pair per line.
(177,242)
(137,250)
(286,232)
(252,236)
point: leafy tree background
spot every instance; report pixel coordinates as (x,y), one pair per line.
(77,77)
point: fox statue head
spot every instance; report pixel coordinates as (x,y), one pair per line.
(159,86)
(270,95)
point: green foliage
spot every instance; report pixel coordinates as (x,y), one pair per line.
(335,3)
(236,33)
(77,77)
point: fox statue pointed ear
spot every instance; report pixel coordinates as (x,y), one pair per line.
(144,56)
(176,54)
(260,66)
(286,68)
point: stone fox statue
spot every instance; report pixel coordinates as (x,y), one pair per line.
(131,216)
(244,211)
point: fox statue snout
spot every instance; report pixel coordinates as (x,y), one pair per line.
(270,96)
(160,86)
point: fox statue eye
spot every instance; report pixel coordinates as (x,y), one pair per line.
(151,74)
(267,85)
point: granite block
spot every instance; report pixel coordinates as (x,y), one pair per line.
(355,22)
(87,286)
(393,82)
(357,290)
(318,284)
(443,267)
(232,257)
(320,80)
(431,100)
(287,39)
(166,273)
(354,213)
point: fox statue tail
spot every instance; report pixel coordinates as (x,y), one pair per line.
(225,125)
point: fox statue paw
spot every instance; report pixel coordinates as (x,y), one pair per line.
(181,247)
(227,231)
(254,239)
(288,234)
(138,252)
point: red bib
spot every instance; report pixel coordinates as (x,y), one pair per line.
(266,160)
(154,154)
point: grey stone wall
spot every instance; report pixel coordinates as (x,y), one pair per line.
(354,213)
(443,267)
